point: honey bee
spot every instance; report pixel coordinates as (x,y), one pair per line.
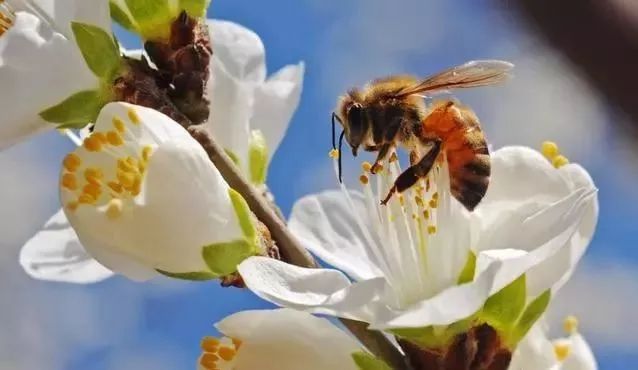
(392,111)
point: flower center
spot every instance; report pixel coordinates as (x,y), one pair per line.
(7,17)
(107,170)
(218,354)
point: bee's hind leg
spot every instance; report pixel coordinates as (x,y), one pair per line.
(419,170)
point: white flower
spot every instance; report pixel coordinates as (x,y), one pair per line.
(278,340)
(537,352)
(246,108)
(143,196)
(408,261)
(40,63)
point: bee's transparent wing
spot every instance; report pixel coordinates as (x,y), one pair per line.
(471,74)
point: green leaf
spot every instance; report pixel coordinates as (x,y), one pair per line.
(257,157)
(532,313)
(467,274)
(366,361)
(194,8)
(153,18)
(76,111)
(503,309)
(244,215)
(192,276)
(223,258)
(121,17)
(100,53)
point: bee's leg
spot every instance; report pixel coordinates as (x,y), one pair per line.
(419,170)
(383,152)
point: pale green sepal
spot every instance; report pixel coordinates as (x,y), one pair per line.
(233,157)
(76,111)
(467,274)
(192,276)
(366,361)
(223,258)
(121,18)
(100,52)
(194,8)
(244,215)
(257,157)
(435,337)
(532,313)
(502,310)
(153,18)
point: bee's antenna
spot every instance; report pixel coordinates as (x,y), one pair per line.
(334,136)
(340,144)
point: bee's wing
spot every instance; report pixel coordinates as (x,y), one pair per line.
(471,74)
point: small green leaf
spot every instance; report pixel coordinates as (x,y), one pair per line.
(153,18)
(100,53)
(467,274)
(366,361)
(76,111)
(532,313)
(121,17)
(257,157)
(192,276)
(223,258)
(503,308)
(435,337)
(244,215)
(194,8)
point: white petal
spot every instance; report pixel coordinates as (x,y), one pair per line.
(29,52)
(288,340)
(55,253)
(275,102)
(240,50)
(534,352)
(327,227)
(323,291)
(581,356)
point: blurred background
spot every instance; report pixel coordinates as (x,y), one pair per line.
(581,97)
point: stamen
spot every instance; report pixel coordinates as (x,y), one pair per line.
(86,199)
(146,152)
(227,353)
(561,350)
(434,202)
(132,115)
(549,149)
(72,206)
(570,325)
(431,229)
(209,361)
(559,161)
(119,125)
(393,157)
(210,344)
(72,162)
(93,190)
(114,138)
(334,153)
(363,179)
(114,209)
(426,214)
(366,166)
(69,181)
(92,144)
(218,354)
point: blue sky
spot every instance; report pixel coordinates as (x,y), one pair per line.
(123,325)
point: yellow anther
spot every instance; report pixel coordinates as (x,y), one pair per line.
(72,162)
(69,181)
(549,149)
(126,179)
(431,230)
(237,343)
(72,206)
(561,350)
(435,196)
(363,179)
(115,186)
(401,200)
(379,168)
(114,138)
(559,161)
(114,209)
(146,152)
(119,125)
(434,202)
(418,200)
(226,353)
(210,344)
(142,166)
(209,361)
(570,325)
(132,115)
(93,175)
(334,153)
(93,190)
(99,136)
(427,184)
(414,216)
(124,165)
(393,157)
(366,166)
(92,144)
(131,161)
(86,199)
(426,214)
(137,185)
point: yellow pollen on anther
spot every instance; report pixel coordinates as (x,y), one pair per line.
(86,199)
(570,325)
(401,200)
(209,361)
(125,178)
(434,202)
(363,179)
(92,144)
(114,138)
(133,116)
(237,343)
(393,157)
(561,350)
(549,149)
(72,206)
(426,214)
(431,230)
(93,175)
(69,181)
(137,186)
(210,344)
(226,353)
(559,161)
(146,152)
(119,125)
(334,153)
(418,200)
(435,196)
(114,209)
(124,165)
(100,137)
(93,190)
(366,166)
(72,162)
(379,168)
(115,186)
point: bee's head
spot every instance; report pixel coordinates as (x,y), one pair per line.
(350,113)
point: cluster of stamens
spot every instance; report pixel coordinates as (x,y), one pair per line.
(562,349)
(7,17)
(551,151)
(90,184)
(218,354)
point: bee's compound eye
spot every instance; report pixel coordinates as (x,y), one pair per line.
(355,116)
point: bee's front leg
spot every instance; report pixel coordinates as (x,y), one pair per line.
(383,152)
